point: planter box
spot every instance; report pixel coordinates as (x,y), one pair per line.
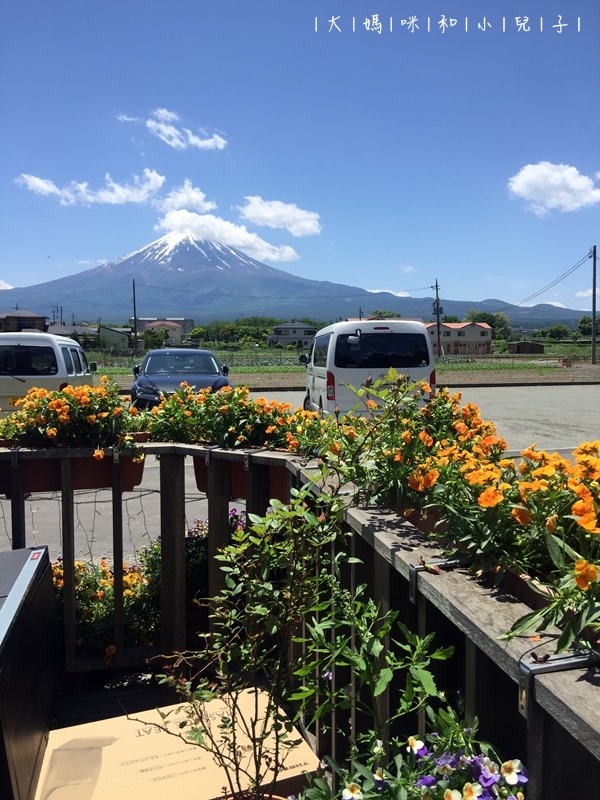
(44,474)
(278,479)
(124,758)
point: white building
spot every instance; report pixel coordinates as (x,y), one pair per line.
(292,332)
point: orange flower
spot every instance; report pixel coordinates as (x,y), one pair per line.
(51,433)
(98,454)
(552,523)
(490,497)
(585,573)
(371,403)
(425,438)
(522,515)
(406,437)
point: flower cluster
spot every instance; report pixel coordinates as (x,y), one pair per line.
(84,416)
(447,764)
(94,591)
(231,418)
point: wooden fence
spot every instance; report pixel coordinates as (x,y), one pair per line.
(540,708)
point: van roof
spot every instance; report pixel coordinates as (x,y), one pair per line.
(34,336)
(349,326)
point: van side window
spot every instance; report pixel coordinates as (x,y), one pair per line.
(320,347)
(76,361)
(84,361)
(68,360)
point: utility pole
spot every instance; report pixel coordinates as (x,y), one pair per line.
(593,254)
(437,310)
(135,341)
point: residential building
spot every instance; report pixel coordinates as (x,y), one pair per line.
(461,338)
(187,325)
(292,332)
(20,320)
(174,329)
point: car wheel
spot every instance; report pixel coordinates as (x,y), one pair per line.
(306,404)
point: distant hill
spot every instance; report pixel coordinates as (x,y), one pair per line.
(178,275)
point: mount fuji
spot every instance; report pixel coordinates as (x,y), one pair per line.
(180,276)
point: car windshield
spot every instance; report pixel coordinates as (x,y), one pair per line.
(382,351)
(194,364)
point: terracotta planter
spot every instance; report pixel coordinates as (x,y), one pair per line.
(44,474)
(278,480)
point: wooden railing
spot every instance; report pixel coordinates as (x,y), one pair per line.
(551,720)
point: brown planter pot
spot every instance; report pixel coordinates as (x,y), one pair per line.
(44,474)
(278,480)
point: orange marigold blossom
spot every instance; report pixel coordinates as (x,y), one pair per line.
(552,523)
(490,497)
(98,454)
(371,403)
(522,515)
(585,573)
(425,438)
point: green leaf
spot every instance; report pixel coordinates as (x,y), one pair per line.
(385,676)
(558,549)
(425,678)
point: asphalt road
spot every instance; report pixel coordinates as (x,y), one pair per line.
(555,417)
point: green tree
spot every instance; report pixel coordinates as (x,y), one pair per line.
(378,314)
(198,333)
(449,318)
(497,320)
(558,332)
(585,326)
(155,338)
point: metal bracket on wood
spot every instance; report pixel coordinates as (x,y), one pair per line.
(207,453)
(248,453)
(558,662)
(435,566)
(116,455)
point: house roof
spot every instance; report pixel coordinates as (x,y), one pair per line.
(163,323)
(459,325)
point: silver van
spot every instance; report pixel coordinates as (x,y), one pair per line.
(347,354)
(41,360)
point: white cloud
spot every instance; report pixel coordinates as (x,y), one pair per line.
(186,196)
(390,291)
(212,228)
(587,293)
(161,124)
(546,187)
(276,214)
(139,190)
(406,269)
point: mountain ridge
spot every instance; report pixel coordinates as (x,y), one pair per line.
(205,280)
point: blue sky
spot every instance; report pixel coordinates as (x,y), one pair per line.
(385,158)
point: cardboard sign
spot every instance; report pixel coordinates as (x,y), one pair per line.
(128,758)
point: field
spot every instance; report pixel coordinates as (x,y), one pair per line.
(280,370)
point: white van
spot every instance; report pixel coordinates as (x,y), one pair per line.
(41,360)
(348,353)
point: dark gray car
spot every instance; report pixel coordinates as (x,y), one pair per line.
(163,371)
